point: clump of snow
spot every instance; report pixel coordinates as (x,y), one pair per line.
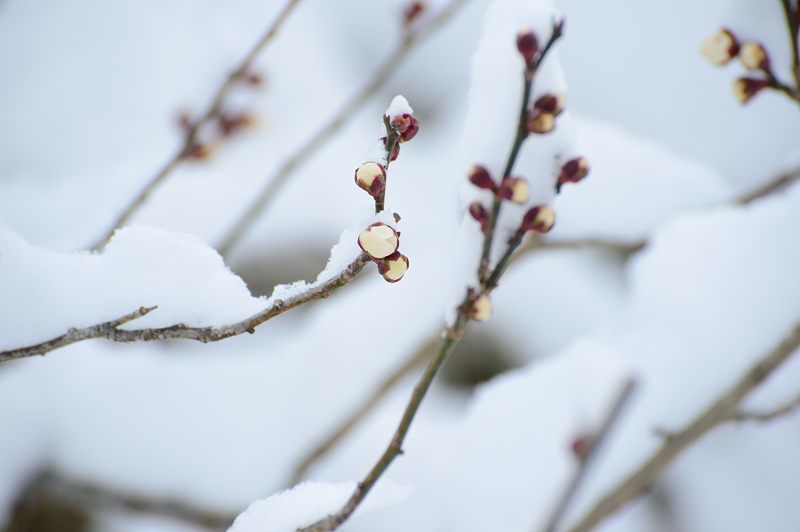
(633,185)
(306,503)
(398,106)
(46,292)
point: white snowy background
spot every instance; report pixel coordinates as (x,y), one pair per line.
(89,91)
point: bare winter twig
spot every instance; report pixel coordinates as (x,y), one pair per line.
(325,133)
(211,113)
(785,409)
(722,410)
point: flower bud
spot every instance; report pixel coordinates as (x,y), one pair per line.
(753,56)
(412,11)
(481,308)
(197,152)
(479,212)
(230,123)
(581,445)
(514,189)
(395,149)
(393,267)
(572,171)
(540,122)
(745,88)
(379,240)
(406,126)
(481,178)
(720,48)
(540,219)
(371,177)
(528,45)
(550,103)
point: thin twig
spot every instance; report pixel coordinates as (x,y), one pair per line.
(366,407)
(111,331)
(784,410)
(720,411)
(793,27)
(774,185)
(587,458)
(323,135)
(452,336)
(211,113)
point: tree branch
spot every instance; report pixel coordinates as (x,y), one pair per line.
(111,331)
(720,411)
(317,140)
(211,113)
(784,410)
(587,458)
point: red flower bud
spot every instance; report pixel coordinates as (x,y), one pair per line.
(540,219)
(481,178)
(393,267)
(754,56)
(745,88)
(395,150)
(230,123)
(479,212)
(371,177)
(514,189)
(572,171)
(528,45)
(540,122)
(581,445)
(379,240)
(412,11)
(550,103)
(406,126)
(720,48)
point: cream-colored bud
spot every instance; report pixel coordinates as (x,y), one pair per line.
(753,56)
(371,176)
(393,267)
(720,48)
(541,122)
(379,240)
(481,309)
(514,189)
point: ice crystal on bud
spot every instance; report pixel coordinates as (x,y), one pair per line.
(479,213)
(720,48)
(371,176)
(745,88)
(379,240)
(514,189)
(528,45)
(481,178)
(551,103)
(393,267)
(540,219)
(540,122)
(753,56)
(481,308)
(572,171)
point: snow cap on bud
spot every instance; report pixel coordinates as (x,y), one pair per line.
(572,171)
(528,45)
(393,267)
(481,308)
(481,178)
(514,189)
(406,126)
(540,122)
(379,240)
(745,88)
(479,212)
(550,103)
(720,48)
(540,219)
(754,56)
(371,176)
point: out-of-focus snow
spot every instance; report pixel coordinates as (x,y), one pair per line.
(308,502)
(633,185)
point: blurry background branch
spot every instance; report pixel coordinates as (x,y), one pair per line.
(190,140)
(724,409)
(265,196)
(768,415)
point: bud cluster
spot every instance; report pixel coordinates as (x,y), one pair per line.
(382,242)
(542,116)
(722,47)
(514,189)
